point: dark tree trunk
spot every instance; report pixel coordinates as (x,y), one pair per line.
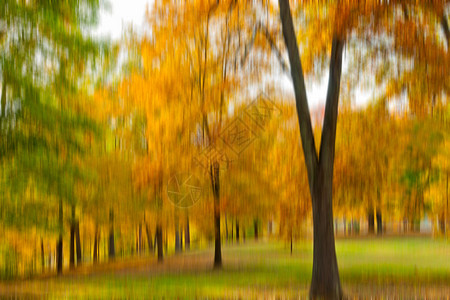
(291,242)
(371,222)
(255,228)
(140,239)
(187,235)
(159,242)
(149,238)
(214,174)
(111,248)
(177,232)
(379,223)
(42,255)
(72,246)
(237,231)
(59,244)
(72,240)
(96,241)
(78,242)
(325,283)
(3,99)
(59,254)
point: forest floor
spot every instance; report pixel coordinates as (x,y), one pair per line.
(377,268)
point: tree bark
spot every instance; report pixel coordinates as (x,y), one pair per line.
(379,223)
(111,248)
(159,242)
(187,235)
(371,222)
(42,255)
(3,99)
(140,238)
(59,244)
(96,240)
(325,283)
(78,242)
(255,228)
(72,240)
(237,230)
(149,238)
(214,174)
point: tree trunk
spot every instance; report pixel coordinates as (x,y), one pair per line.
(140,238)
(379,223)
(72,245)
(42,255)
(187,235)
(3,99)
(96,241)
(177,233)
(111,248)
(325,283)
(149,238)
(159,242)
(72,240)
(237,231)
(291,242)
(78,242)
(59,254)
(371,222)
(214,174)
(255,228)
(59,244)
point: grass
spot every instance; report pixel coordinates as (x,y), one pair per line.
(379,267)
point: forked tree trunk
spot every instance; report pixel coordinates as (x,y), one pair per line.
(214,174)
(325,283)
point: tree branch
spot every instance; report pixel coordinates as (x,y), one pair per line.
(304,118)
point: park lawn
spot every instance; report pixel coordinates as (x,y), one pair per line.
(380,267)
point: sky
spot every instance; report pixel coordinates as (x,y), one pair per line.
(125,12)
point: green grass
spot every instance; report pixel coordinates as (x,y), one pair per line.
(380,267)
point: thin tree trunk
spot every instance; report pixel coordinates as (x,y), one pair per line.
(159,242)
(72,240)
(214,174)
(3,99)
(237,230)
(42,255)
(187,235)
(371,222)
(96,241)
(59,244)
(226,228)
(149,238)
(78,242)
(111,248)
(255,228)
(140,239)
(379,222)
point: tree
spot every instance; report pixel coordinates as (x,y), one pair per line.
(340,20)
